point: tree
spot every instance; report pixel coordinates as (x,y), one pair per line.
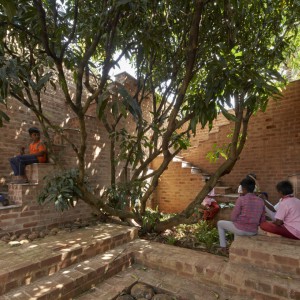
(192,58)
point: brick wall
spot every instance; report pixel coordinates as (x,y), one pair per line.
(271,150)
(272,147)
(28,215)
(176,187)
(14,134)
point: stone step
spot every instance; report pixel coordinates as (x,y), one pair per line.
(162,282)
(223,190)
(37,172)
(177,158)
(32,261)
(186,164)
(227,198)
(77,278)
(275,253)
(245,276)
(19,193)
(195,170)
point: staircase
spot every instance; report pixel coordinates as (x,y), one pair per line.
(187,165)
(65,265)
(265,267)
(101,262)
(24,214)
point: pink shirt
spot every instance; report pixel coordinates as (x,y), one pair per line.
(289,213)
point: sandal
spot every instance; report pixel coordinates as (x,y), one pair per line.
(222,251)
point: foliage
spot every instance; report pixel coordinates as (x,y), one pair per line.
(152,217)
(61,189)
(204,235)
(207,235)
(221,151)
(126,195)
(198,213)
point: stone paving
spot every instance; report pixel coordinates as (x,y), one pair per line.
(179,287)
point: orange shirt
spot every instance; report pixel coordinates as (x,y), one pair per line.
(38,147)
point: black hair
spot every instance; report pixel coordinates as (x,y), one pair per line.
(285,187)
(33,130)
(248,184)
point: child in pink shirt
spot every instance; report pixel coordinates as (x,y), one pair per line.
(287,217)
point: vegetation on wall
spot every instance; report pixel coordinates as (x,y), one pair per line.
(193,60)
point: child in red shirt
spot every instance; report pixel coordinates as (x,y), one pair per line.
(211,206)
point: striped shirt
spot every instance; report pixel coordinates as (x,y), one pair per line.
(248,213)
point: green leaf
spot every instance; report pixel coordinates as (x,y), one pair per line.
(101,105)
(9,8)
(228,115)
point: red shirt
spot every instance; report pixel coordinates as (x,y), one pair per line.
(248,213)
(38,147)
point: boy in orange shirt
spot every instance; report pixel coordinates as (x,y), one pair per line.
(37,154)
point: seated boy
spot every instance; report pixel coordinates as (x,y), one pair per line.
(37,154)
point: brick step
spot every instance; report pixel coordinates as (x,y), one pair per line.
(162,282)
(30,262)
(195,170)
(223,190)
(278,254)
(204,267)
(228,198)
(36,172)
(261,284)
(186,165)
(18,194)
(77,278)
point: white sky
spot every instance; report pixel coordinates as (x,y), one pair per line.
(124,67)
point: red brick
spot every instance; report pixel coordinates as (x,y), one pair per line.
(260,256)
(280,291)
(295,295)
(286,260)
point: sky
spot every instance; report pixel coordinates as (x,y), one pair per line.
(124,67)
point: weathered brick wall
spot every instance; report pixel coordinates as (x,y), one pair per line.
(176,188)
(14,134)
(29,215)
(271,150)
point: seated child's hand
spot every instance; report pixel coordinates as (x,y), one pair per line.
(22,150)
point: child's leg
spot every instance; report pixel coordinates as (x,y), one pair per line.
(276,229)
(229,226)
(223,226)
(14,163)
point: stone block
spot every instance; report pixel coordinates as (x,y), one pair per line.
(37,172)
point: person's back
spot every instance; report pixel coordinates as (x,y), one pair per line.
(248,212)
(287,217)
(289,212)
